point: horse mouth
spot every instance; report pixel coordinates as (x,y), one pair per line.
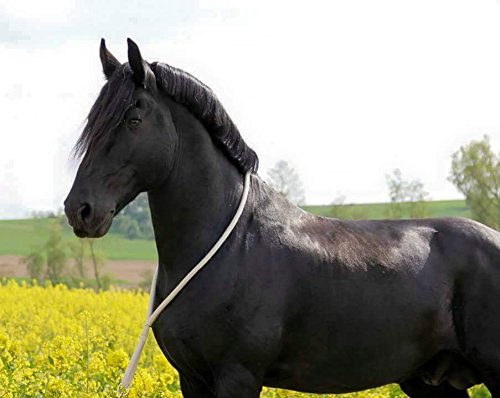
(95,232)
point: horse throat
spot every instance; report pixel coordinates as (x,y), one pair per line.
(195,204)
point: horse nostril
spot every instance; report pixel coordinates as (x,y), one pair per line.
(84,212)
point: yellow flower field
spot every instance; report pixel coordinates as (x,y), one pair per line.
(57,342)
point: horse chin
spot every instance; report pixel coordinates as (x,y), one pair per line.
(101,230)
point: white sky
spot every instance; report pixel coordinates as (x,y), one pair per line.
(344,90)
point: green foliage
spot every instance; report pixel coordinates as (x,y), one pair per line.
(105,282)
(475,171)
(35,262)
(479,391)
(134,221)
(55,255)
(51,260)
(48,260)
(407,197)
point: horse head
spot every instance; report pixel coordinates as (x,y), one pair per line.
(127,145)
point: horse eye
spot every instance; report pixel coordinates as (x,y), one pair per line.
(134,122)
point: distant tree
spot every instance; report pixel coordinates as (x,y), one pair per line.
(396,187)
(134,221)
(78,249)
(284,179)
(55,254)
(129,227)
(98,260)
(408,198)
(49,259)
(475,172)
(40,214)
(35,263)
(417,199)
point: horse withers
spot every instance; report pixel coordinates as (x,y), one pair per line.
(291,300)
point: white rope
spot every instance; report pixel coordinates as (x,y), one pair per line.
(151,316)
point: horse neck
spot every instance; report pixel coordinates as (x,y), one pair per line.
(191,210)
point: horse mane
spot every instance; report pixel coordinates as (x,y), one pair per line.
(116,97)
(206,107)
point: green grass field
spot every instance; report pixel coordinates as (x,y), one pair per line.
(19,237)
(377,211)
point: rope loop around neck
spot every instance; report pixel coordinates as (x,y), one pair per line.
(153,315)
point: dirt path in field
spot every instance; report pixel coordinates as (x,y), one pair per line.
(129,270)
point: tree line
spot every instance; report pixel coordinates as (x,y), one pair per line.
(475,172)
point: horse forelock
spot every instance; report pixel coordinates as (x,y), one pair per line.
(107,112)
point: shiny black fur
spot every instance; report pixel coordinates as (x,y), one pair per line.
(291,300)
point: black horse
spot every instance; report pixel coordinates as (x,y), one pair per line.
(291,300)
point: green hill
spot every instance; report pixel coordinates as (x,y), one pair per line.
(378,211)
(19,237)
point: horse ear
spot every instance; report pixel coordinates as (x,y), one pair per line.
(109,62)
(136,62)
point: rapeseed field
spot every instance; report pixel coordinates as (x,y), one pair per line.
(61,342)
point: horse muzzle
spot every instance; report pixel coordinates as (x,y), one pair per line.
(87,219)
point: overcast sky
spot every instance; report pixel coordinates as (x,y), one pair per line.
(346,91)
